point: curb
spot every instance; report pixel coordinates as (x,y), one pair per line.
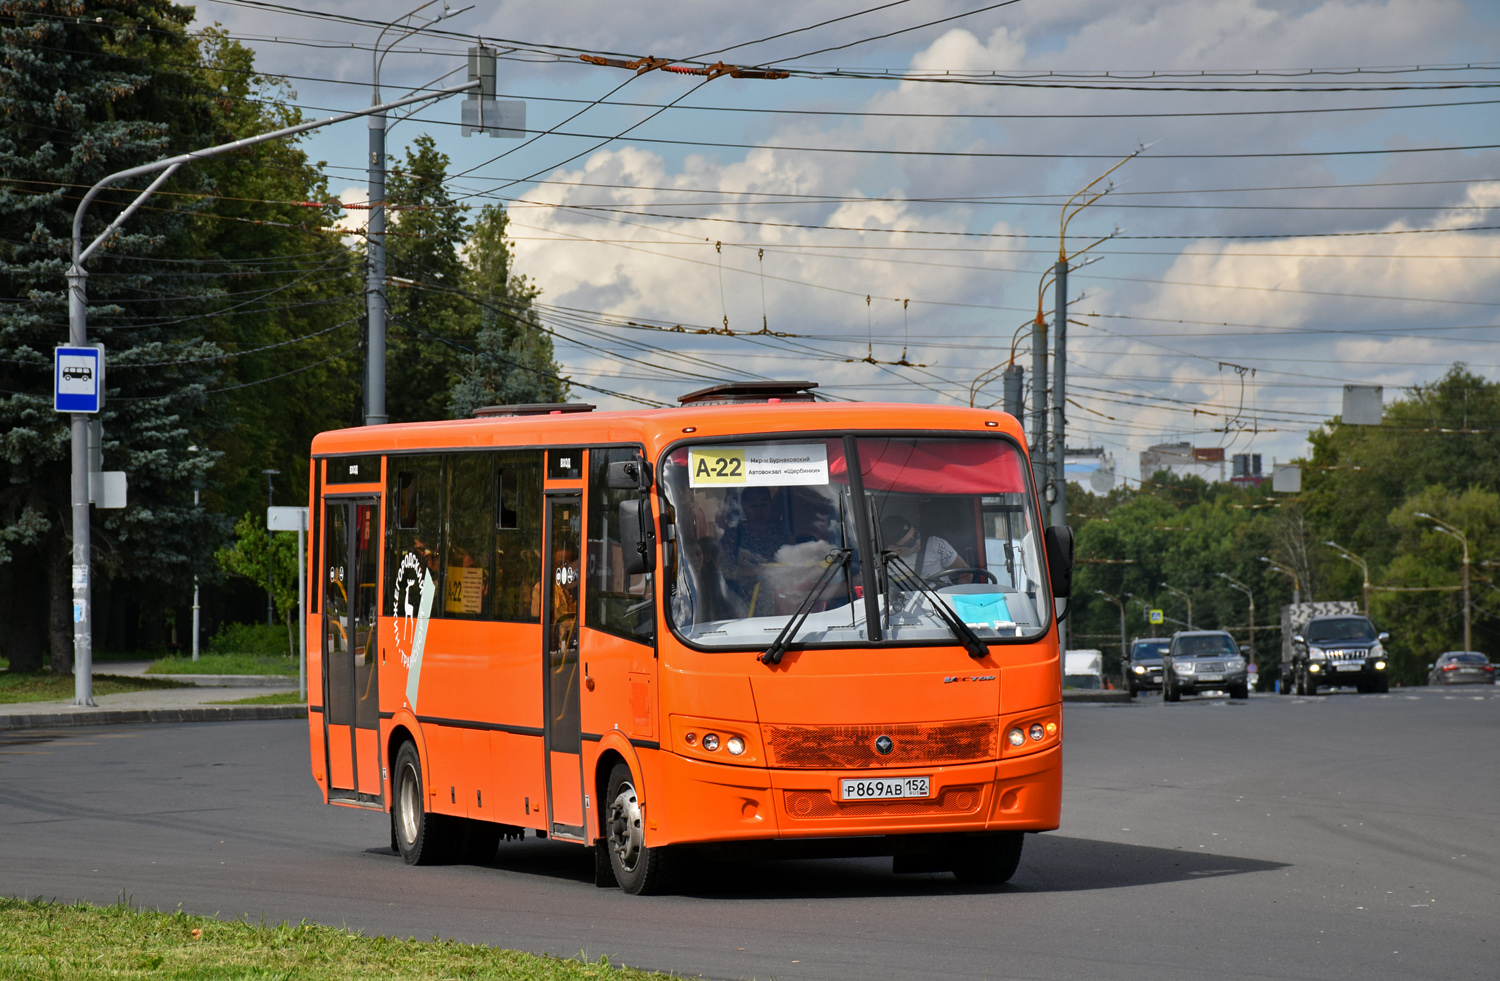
(230,680)
(210,713)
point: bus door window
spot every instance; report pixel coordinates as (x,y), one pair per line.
(366,693)
(619,604)
(557,596)
(352,696)
(336,640)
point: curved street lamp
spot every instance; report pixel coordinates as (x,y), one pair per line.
(1186,599)
(1236,584)
(1296,583)
(1363,568)
(1447,529)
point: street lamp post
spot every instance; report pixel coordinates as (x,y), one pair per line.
(1185,598)
(1236,584)
(1296,583)
(270,502)
(1363,568)
(1447,529)
(1124,649)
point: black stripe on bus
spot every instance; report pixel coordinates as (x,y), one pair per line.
(485,726)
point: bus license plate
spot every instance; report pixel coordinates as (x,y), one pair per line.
(884,788)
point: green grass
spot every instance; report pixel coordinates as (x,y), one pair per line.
(44,686)
(234,663)
(276,698)
(44,941)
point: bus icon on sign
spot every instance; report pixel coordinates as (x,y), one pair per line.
(78,373)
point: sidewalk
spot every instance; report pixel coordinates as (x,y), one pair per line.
(163,705)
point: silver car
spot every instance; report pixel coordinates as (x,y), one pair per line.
(1461,668)
(1203,660)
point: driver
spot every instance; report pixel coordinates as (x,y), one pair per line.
(929,555)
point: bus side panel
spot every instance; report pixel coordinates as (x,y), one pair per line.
(476,784)
(519,781)
(1030,686)
(623,694)
(445,748)
(707,695)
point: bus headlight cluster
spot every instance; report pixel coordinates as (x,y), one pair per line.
(735,745)
(1036,732)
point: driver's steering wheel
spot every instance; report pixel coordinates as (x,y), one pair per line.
(963,571)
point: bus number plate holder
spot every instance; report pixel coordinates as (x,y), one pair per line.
(884,788)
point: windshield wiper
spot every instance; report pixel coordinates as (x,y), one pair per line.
(836,560)
(965,633)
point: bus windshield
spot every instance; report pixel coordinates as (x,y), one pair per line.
(760,527)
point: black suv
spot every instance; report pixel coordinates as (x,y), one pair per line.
(1203,660)
(1143,663)
(1340,650)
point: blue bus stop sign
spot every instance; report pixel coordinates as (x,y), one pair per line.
(78,379)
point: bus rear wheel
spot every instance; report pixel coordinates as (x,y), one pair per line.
(421,838)
(638,869)
(987,860)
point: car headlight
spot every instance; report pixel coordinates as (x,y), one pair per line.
(1182,667)
(1236,664)
(1377,650)
(1316,653)
(1379,665)
(1138,669)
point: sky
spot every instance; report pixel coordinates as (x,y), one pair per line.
(1307,193)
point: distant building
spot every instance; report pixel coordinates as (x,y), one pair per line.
(1092,468)
(1246,471)
(1183,459)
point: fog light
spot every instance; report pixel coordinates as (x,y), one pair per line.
(710,742)
(1138,669)
(1379,665)
(1036,731)
(1314,668)
(691,739)
(1017,737)
(735,745)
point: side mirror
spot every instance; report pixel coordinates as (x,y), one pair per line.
(1430,667)
(1297,639)
(629,475)
(1059,543)
(1382,636)
(637,536)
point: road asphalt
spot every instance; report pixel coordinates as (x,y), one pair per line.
(195,704)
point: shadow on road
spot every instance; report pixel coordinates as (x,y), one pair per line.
(1050,863)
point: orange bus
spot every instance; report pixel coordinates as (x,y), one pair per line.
(753,622)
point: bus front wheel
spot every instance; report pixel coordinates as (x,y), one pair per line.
(987,860)
(638,869)
(421,838)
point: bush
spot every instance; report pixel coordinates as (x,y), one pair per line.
(254,639)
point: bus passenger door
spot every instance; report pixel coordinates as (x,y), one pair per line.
(561,674)
(351,696)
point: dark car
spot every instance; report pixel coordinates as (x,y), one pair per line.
(1143,664)
(1203,660)
(1344,650)
(1461,668)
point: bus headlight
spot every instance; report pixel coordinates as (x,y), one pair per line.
(711,742)
(1017,737)
(735,745)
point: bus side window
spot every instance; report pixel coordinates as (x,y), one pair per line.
(414,531)
(467,551)
(616,603)
(517,519)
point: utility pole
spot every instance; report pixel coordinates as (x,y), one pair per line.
(1124,644)
(270,503)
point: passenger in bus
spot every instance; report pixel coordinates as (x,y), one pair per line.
(929,555)
(749,546)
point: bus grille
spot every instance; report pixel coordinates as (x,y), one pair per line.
(853,747)
(821,804)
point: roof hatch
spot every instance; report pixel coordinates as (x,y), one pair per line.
(739,393)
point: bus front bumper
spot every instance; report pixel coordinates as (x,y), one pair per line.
(696,801)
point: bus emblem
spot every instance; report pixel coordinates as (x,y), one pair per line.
(884,745)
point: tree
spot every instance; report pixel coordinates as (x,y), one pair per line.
(262,557)
(432,324)
(513,360)
(179,295)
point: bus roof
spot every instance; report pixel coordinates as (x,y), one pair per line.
(655,428)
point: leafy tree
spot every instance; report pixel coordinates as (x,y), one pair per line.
(432,327)
(513,360)
(262,556)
